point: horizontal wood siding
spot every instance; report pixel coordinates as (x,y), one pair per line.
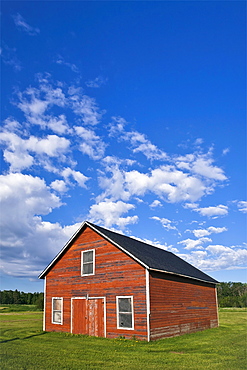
(116,274)
(180,305)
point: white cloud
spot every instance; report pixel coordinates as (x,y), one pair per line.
(24,26)
(138,141)
(109,213)
(27,242)
(22,153)
(58,124)
(155,203)
(216,211)
(167,224)
(210,230)
(242,206)
(225,151)
(218,257)
(166,182)
(190,205)
(92,144)
(59,185)
(76,175)
(194,244)
(86,108)
(202,165)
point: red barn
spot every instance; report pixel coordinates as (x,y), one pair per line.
(106,284)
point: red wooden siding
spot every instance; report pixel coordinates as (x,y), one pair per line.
(116,274)
(180,305)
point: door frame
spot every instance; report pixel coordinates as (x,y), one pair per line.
(87,298)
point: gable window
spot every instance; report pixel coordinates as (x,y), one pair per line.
(87,262)
(57,311)
(125,312)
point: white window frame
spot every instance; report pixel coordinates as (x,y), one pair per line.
(88,250)
(132,311)
(52,311)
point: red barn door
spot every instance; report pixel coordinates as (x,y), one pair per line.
(88,316)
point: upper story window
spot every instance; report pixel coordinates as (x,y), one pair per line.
(57,310)
(87,262)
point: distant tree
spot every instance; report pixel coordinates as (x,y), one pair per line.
(40,301)
(232,294)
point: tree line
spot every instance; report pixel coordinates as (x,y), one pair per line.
(17,297)
(232,294)
(229,295)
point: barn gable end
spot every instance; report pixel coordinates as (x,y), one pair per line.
(116,275)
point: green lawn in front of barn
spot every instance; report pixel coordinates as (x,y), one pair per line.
(25,346)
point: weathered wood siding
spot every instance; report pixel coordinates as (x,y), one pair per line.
(116,274)
(180,305)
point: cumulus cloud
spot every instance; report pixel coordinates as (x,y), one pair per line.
(86,108)
(76,175)
(59,185)
(202,165)
(24,199)
(20,153)
(210,230)
(92,145)
(218,257)
(194,244)
(167,224)
(24,26)
(109,213)
(213,211)
(166,182)
(155,203)
(28,243)
(137,140)
(242,206)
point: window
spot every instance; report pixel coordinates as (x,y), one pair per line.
(125,314)
(87,262)
(57,310)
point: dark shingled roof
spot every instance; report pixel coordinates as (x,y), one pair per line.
(154,258)
(150,257)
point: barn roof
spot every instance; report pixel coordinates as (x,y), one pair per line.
(150,257)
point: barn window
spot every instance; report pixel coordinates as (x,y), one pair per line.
(87,262)
(125,313)
(57,310)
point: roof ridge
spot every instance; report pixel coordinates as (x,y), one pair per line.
(129,237)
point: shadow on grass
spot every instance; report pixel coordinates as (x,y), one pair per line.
(30,336)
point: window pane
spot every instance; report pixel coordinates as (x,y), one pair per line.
(124,305)
(88,256)
(125,320)
(57,317)
(88,268)
(57,304)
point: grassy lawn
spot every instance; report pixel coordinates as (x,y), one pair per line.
(25,346)
(17,308)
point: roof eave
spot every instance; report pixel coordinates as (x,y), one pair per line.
(186,276)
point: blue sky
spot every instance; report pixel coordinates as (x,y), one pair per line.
(130,115)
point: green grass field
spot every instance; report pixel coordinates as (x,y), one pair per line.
(25,346)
